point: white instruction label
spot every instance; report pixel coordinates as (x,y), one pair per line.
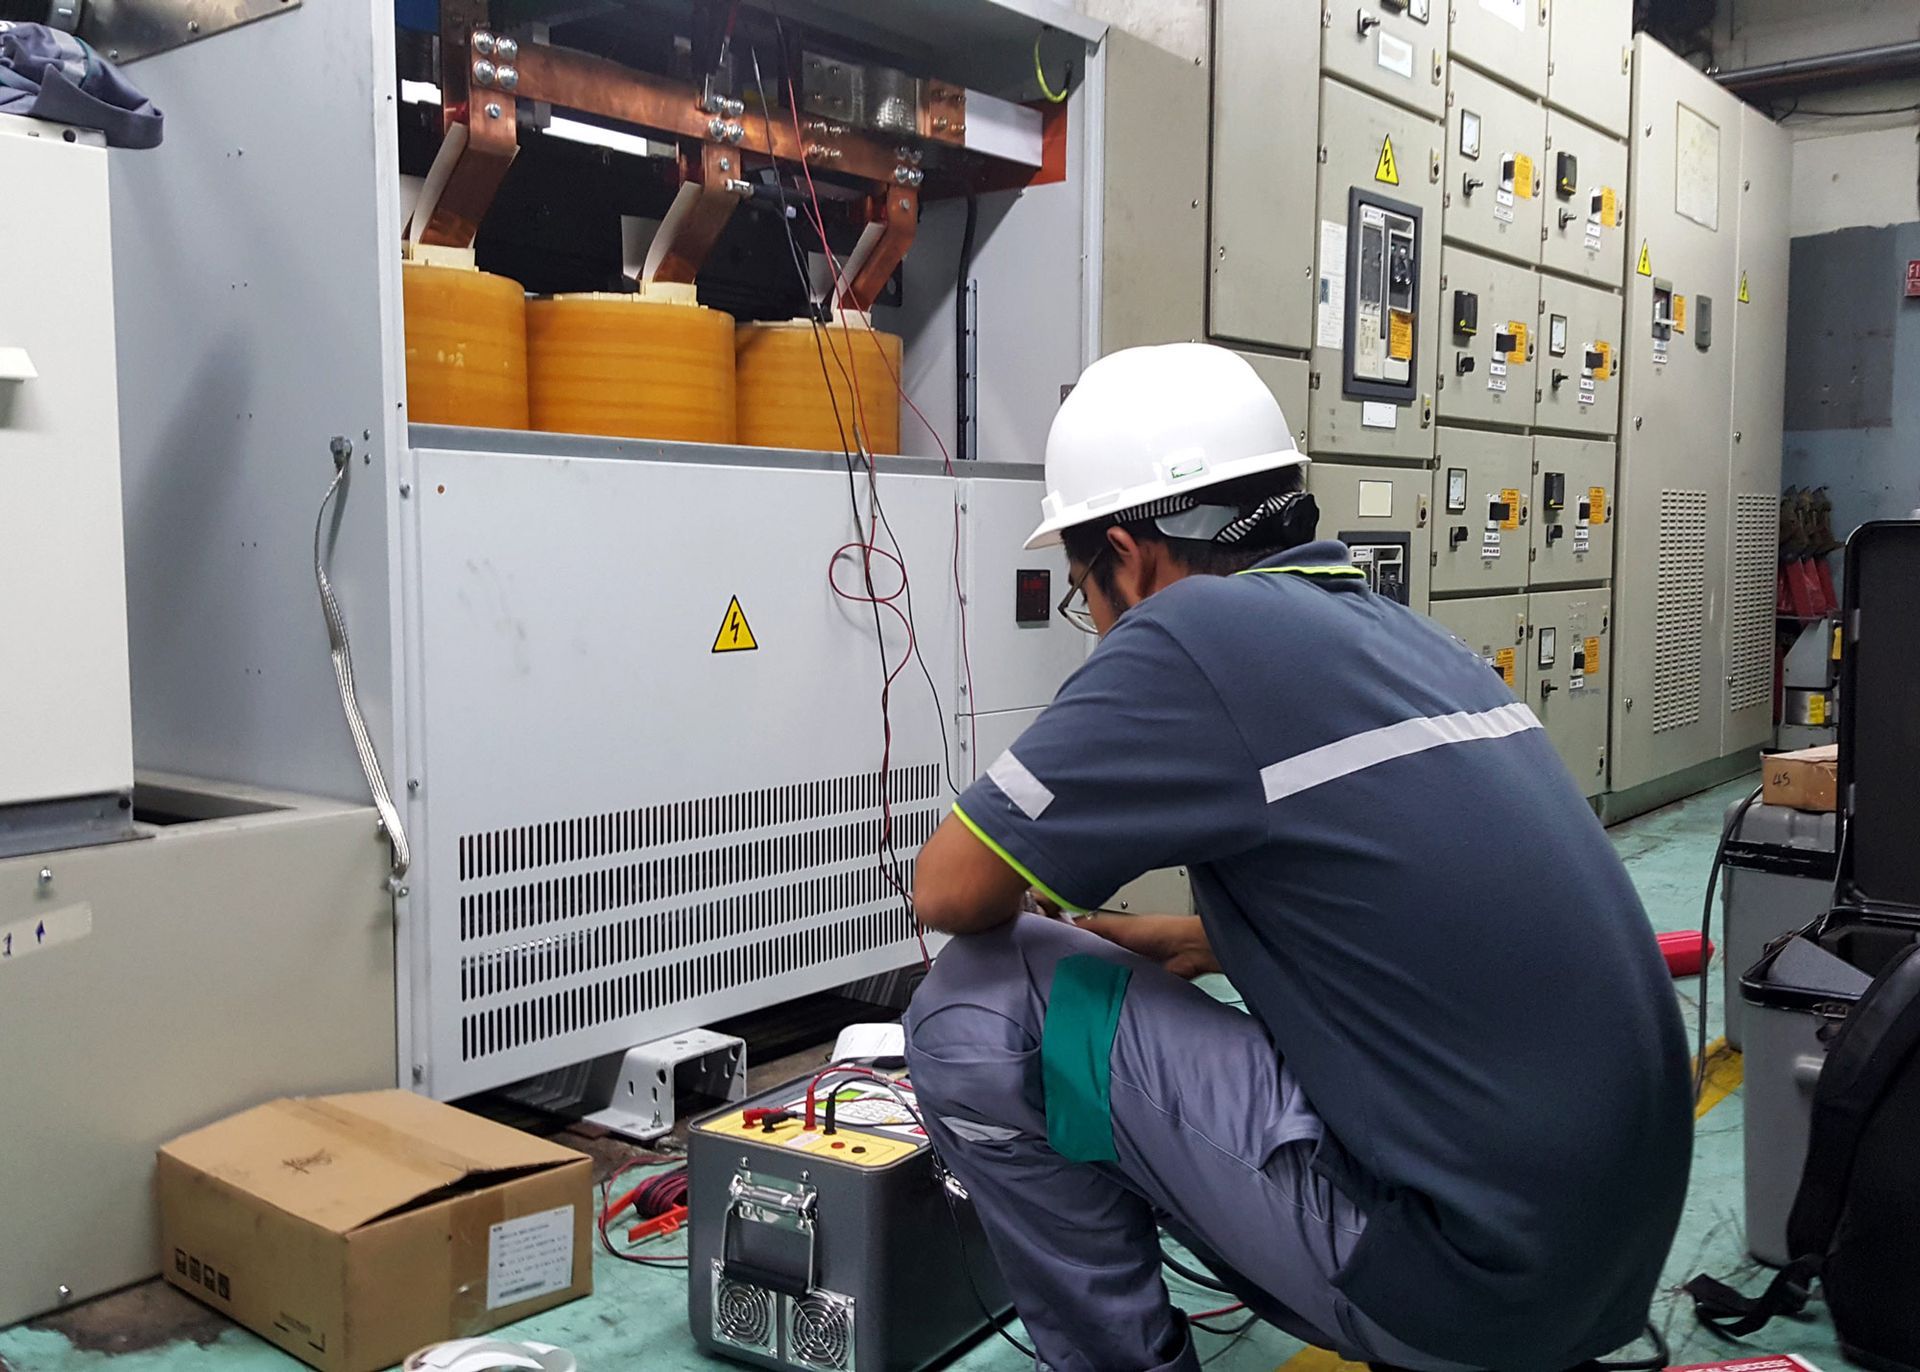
(1512,12)
(1332,317)
(1581,544)
(1396,55)
(1490,545)
(1504,213)
(1378,414)
(1660,352)
(1593,239)
(1577,682)
(528,1257)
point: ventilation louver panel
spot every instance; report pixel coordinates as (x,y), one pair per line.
(582,922)
(745,1316)
(1680,610)
(820,1332)
(1754,598)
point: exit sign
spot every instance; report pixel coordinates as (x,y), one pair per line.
(1913,279)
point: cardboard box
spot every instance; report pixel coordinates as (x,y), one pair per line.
(1807,780)
(351,1230)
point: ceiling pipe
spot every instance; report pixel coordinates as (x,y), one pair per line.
(1805,75)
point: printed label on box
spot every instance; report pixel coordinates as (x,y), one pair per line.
(528,1257)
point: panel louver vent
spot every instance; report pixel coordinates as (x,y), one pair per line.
(589,923)
(1680,613)
(1756,569)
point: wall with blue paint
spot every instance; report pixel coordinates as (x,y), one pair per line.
(1853,373)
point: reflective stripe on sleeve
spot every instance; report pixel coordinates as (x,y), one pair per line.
(1330,762)
(1020,786)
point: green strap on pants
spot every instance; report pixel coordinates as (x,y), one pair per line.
(1076,1053)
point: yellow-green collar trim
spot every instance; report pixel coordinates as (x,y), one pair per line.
(1017,865)
(1324,570)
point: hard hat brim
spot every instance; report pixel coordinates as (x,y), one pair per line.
(1047,534)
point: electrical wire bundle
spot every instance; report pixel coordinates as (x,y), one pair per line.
(868,526)
(653,1197)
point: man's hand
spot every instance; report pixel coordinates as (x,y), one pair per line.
(1176,942)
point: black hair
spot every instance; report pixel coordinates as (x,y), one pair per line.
(1084,541)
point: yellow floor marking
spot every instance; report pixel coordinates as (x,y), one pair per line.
(1319,1360)
(1726,1069)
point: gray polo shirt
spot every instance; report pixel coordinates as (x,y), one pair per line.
(1399,875)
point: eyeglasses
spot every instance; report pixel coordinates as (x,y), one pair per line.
(1081,615)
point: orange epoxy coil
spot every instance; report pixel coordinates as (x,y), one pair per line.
(652,365)
(466,347)
(786,403)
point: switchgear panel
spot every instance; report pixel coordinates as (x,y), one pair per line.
(1376,303)
(1572,514)
(1482,488)
(1394,48)
(1487,376)
(1265,77)
(1585,202)
(1590,56)
(1569,660)
(1579,358)
(1495,179)
(1494,628)
(1382,515)
(1505,37)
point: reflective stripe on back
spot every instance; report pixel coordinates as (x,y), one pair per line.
(1331,761)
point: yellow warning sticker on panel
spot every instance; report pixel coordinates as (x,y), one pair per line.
(1646,260)
(1503,664)
(1679,313)
(1400,335)
(1523,176)
(1836,643)
(1593,656)
(1597,505)
(1385,170)
(1604,371)
(1745,299)
(735,636)
(1816,709)
(1510,497)
(1518,329)
(1609,206)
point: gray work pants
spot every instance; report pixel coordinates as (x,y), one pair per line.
(1213,1136)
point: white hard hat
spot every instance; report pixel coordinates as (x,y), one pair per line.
(1147,424)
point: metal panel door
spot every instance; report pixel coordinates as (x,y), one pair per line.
(635,822)
(1669,607)
(1485,371)
(1579,358)
(1394,50)
(1570,658)
(1585,202)
(1495,627)
(1496,141)
(1265,96)
(1154,222)
(63,580)
(1505,37)
(1759,320)
(1480,511)
(1377,161)
(1590,53)
(1381,514)
(1572,516)
(1287,378)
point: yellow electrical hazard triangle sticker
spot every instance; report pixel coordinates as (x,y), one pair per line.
(1646,260)
(1745,299)
(1384,170)
(735,636)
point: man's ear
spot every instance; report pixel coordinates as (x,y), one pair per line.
(1134,565)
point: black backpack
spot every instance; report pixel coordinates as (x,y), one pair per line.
(1855,1225)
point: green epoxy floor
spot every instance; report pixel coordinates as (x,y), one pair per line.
(636,1317)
